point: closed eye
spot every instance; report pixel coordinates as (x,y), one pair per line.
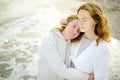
(84,19)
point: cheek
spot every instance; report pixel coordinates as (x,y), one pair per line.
(90,24)
(66,28)
(93,23)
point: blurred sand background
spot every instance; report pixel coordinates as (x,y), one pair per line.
(23,22)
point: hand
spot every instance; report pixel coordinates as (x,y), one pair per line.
(63,22)
(91,76)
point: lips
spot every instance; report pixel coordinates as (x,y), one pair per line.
(81,27)
(72,34)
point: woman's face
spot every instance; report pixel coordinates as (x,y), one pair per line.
(71,30)
(85,21)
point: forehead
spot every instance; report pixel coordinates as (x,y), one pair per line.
(74,21)
(83,13)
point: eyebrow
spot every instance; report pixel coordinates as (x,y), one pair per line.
(83,18)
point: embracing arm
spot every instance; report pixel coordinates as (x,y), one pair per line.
(51,55)
(91,76)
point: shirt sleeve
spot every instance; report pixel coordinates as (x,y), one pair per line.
(101,65)
(51,55)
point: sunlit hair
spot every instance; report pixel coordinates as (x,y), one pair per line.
(102,28)
(69,19)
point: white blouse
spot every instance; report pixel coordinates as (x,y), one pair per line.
(88,57)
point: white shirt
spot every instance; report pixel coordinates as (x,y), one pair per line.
(93,58)
(53,54)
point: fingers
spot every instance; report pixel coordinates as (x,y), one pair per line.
(91,76)
(63,22)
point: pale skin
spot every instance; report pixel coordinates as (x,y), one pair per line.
(71,30)
(86,24)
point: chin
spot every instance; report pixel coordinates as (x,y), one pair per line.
(82,31)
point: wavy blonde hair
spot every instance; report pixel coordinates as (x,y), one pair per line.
(102,28)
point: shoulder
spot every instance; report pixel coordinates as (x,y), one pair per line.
(49,37)
(103,48)
(103,45)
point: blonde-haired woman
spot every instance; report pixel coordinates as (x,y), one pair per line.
(91,54)
(54,51)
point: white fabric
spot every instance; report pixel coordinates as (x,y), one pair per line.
(53,54)
(85,44)
(93,58)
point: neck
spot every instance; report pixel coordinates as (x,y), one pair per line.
(90,35)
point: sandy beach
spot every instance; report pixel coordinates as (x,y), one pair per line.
(23,22)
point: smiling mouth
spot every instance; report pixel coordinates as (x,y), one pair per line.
(81,27)
(72,34)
